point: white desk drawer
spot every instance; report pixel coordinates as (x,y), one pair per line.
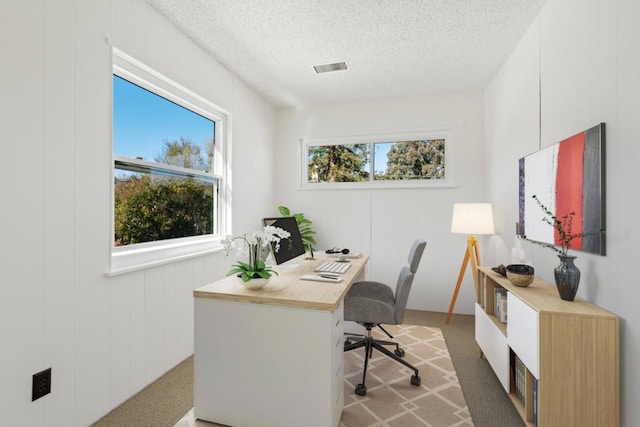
(523,333)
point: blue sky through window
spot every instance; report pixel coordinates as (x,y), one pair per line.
(381,149)
(142,121)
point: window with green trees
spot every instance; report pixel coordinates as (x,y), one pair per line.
(378,163)
(338,163)
(164,186)
(422,159)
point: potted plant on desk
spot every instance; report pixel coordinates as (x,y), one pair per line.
(255,273)
(304,226)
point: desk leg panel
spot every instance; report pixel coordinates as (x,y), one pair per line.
(264,365)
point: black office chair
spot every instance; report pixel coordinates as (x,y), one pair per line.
(372,304)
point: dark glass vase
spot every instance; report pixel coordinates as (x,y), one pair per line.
(567,277)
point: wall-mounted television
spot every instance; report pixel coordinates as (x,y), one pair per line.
(290,247)
(568,176)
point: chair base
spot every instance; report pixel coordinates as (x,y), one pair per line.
(369,343)
(398,351)
(348,345)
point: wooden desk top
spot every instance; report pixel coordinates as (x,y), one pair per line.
(287,289)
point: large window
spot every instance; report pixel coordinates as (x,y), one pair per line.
(402,160)
(167,151)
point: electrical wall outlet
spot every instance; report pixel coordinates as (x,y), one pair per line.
(41,385)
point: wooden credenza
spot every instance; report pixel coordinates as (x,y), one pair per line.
(558,360)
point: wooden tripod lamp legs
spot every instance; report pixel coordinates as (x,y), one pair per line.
(472,253)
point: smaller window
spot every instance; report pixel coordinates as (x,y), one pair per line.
(409,160)
(404,160)
(338,163)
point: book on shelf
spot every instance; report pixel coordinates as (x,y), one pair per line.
(500,304)
(523,382)
(535,401)
(519,378)
(514,374)
(503,309)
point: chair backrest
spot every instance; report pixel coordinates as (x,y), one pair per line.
(403,287)
(405,280)
(415,254)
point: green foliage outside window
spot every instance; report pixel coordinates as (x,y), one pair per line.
(415,160)
(186,154)
(338,163)
(399,160)
(149,207)
(159,208)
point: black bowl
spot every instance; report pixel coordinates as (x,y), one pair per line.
(520,274)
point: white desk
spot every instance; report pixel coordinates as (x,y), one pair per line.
(273,356)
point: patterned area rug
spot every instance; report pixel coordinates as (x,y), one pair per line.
(391,400)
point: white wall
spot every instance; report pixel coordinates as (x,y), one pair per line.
(585,57)
(384,223)
(104,338)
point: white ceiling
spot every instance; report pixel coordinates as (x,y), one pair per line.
(392,47)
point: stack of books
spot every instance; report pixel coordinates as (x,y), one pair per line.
(500,304)
(535,401)
(520,375)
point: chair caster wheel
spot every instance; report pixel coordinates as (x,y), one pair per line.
(361,390)
(415,380)
(399,352)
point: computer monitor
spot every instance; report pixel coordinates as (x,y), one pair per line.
(290,247)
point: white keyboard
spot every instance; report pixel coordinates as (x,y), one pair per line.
(333,267)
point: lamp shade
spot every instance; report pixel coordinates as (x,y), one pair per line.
(472,218)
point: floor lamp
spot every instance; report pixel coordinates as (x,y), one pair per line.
(471,219)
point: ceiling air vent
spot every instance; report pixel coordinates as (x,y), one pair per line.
(325,68)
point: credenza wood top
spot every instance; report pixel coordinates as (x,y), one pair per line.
(286,289)
(543,297)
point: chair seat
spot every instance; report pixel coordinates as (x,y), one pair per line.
(370,302)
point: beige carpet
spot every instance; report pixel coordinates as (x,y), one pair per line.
(391,400)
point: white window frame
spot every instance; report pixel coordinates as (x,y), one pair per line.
(144,255)
(416,135)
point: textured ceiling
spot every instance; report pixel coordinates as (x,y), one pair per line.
(392,47)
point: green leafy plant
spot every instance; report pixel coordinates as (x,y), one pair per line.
(256,246)
(563,226)
(304,225)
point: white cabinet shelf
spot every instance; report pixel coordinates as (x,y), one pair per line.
(567,351)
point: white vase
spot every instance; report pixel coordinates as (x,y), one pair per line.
(255,283)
